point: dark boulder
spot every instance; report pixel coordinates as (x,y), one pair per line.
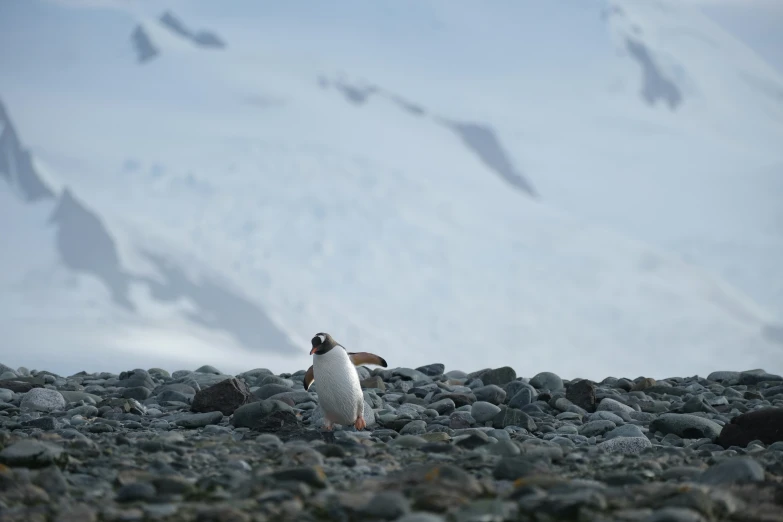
(225,397)
(765,425)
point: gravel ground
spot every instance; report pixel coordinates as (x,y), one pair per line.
(481,447)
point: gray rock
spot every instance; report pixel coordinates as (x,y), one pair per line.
(199,420)
(410,374)
(140,393)
(268,390)
(443,406)
(513,468)
(547,381)
(626,445)
(251,415)
(526,395)
(432,370)
(225,397)
(136,491)
(626,430)
(408,441)
(493,394)
(30,453)
(461,419)
(503,448)
(582,394)
(209,369)
(754,377)
(43,399)
(612,405)
(386,505)
(483,411)
(274,379)
(725,377)
(513,417)
(607,415)
(733,471)
(297,397)
(6,395)
(421,517)
(79,396)
(596,427)
(498,376)
(686,426)
(675,514)
(415,427)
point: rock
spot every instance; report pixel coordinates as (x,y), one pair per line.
(374,382)
(30,453)
(225,397)
(410,374)
(513,417)
(140,393)
(498,376)
(626,430)
(415,427)
(21,384)
(6,395)
(675,514)
(42,423)
(199,420)
(513,468)
(595,428)
(736,470)
(268,390)
(386,505)
(408,441)
(686,426)
(755,377)
(626,445)
(612,405)
(723,376)
(421,517)
(547,381)
(209,369)
(492,393)
(643,384)
(251,415)
(80,396)
(136,491)
(526,395)
(582,394)
(43,399)
(136,378)
(432,370)
(765,425)
(311,475)
(443,406)
(483,411)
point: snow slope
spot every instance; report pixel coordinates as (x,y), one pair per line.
(383,226)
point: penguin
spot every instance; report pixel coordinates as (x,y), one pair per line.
(339,392)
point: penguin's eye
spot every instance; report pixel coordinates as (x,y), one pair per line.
(318,339)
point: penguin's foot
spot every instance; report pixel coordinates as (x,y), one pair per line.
(360,424)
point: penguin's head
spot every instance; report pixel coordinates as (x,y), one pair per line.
(322,343)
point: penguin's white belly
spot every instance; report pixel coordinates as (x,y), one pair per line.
(339,392)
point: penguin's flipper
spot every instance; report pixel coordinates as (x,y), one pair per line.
(309,378)
(358,358)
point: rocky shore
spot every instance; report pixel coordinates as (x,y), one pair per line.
(487,446)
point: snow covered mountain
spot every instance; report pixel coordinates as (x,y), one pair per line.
(220,207)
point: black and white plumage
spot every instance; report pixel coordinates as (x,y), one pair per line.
(339,392)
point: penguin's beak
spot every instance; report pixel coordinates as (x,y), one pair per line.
(313,350)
